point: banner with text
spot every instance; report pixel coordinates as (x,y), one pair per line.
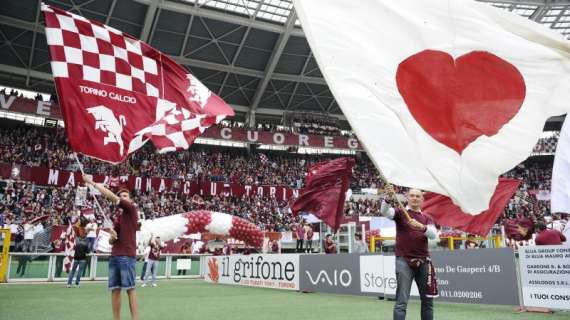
(476,276)
(545,276)
(278,271)
(51,109)
(61,178)
(486,276)
(335,273)
(378,276)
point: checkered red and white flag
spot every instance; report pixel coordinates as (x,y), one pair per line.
(116,92)
(263,158)
(69,248)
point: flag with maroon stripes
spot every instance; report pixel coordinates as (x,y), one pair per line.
(69,248)
(117,92)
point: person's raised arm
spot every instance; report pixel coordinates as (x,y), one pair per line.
(387,211)
(101,188)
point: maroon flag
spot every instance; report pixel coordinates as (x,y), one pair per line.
(442,210)
(116,92)
(325,189)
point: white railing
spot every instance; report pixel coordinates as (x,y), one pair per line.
(48,267)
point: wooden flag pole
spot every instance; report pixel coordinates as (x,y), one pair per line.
(392,194)
(106,221)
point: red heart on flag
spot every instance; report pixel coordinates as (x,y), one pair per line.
(456,101)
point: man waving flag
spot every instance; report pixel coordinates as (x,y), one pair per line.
(116,92)
(445,95)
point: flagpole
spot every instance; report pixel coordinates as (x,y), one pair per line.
(106,220)
(392,194)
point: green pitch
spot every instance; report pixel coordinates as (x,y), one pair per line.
(196,299)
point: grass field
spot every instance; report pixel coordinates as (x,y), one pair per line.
(196,299)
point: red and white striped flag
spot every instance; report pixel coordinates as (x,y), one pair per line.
(69,248)
(117,92)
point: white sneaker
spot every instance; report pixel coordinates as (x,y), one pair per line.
(143,285)
(69,286)
(154,285)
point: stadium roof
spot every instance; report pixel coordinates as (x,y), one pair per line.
(253,53)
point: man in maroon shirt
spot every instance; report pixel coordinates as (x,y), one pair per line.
(548,237)
(123,255)
(300,232)
(330,246)
(412,255)
(153,260)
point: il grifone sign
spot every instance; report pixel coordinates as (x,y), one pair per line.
(267,271)
(51,109)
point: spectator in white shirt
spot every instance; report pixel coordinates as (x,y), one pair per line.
(91,229)
(197,246)
(28,237)
(359,245)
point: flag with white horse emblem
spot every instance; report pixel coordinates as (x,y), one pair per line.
(116,92)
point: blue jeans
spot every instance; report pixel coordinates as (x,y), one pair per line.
(151,268)
(91,244)
(143,273)
(77,264)
(404,277)
(122,272)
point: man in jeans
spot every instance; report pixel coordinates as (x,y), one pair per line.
(153,260)
(123,255)
(58,246)
(300,232)
(412,255)
(79,260)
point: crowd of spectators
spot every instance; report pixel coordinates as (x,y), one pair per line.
(23,201)
(316,127)
(34,146)
(268,127)
(28,95)
(535,177)
(12,92)
(547,144)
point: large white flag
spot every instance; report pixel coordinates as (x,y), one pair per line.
(560,189)
(445,95)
